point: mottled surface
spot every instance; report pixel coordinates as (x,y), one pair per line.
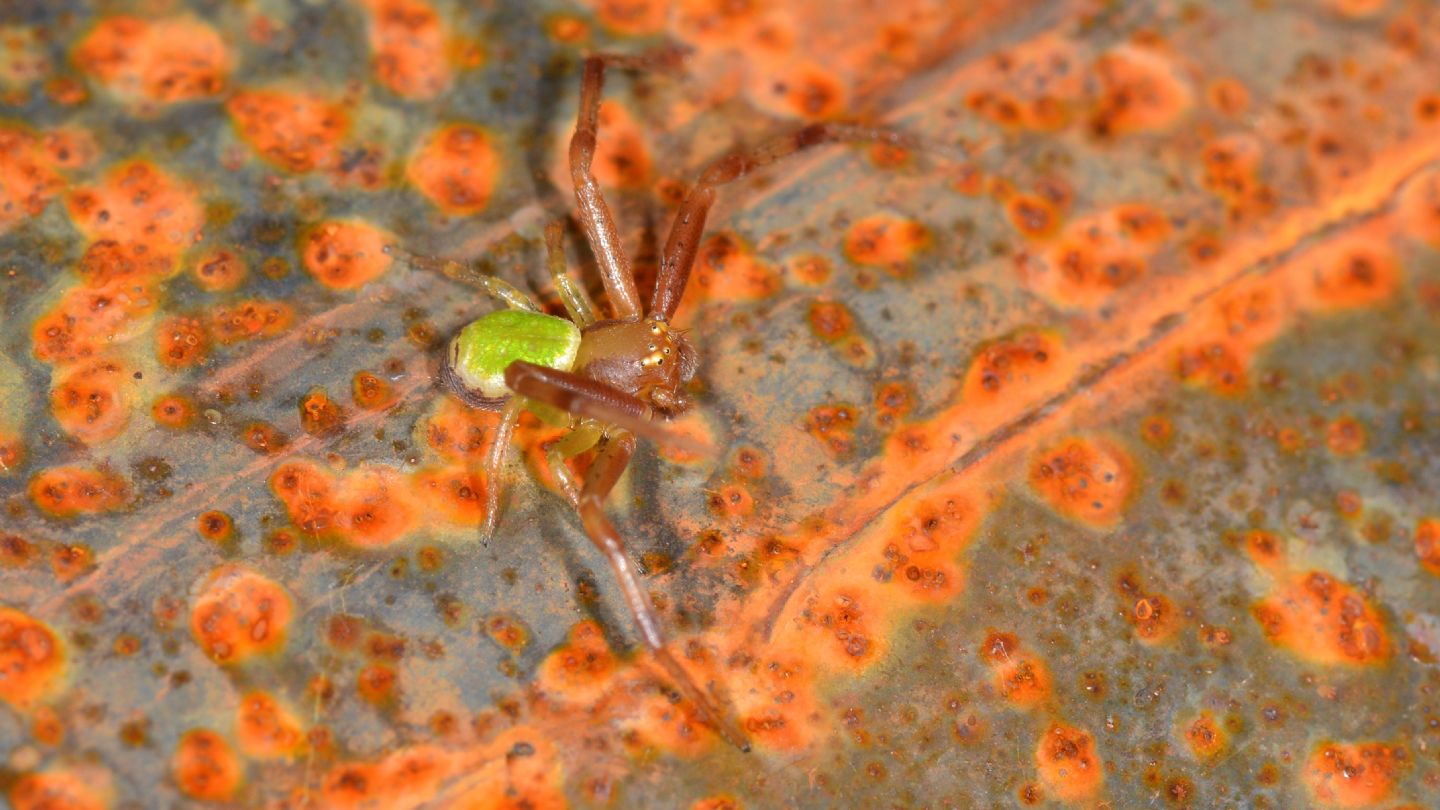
(1097,468)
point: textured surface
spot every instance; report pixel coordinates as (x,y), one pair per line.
(1098,468)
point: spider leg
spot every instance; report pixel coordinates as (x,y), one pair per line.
(577,302)
(494,465)
(684,240)
(610,462)
(581,438)
(491,286)
(587,398)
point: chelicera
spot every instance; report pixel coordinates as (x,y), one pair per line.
(608,377)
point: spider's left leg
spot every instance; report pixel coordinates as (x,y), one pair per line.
(491,286)
(610,462)
(577,302)
(689,226)
(587,398)
(494,467)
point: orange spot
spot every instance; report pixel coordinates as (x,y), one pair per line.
(1419,209)
(263,438)
(219,271)
(181,342)
(173,411)
(345,254)
(1068,764)
(409,49)
(1359,8)
(1155,618)
(12,453)
(923,541)
(239,614)
(1265,549)
(580,670)
(888,241)
(456,493)
(68,561)
(47,728)
(1345,436)
(16,551)
(205,766)
(1427,544)
(137,202)
(62,789)
(267,730)
(567,29)
(1355,273)
(732,501)
(1205,737)
(847,619)
(32,662)
(1140,92)
(371,392)
(319,414)
(456,169)
(830,320)
(1089,480)
(374,508)
(215,526)
(726,269)
(776,703)
(803,90)
(1353,774)
(158,61)
(295,131)
(1020,678)
(247,320)
(458,432)
(91,402)
(1215,365)
(1008,366)
(723,802)
(1141,223)
(1032,215)
(833,426)
(691,426)
(810,269)
(377,684)
(87,321)
(631,18)
(507,631)
(70,491)
(1228,97)
(1324,621)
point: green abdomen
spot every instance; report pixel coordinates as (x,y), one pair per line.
(483,350)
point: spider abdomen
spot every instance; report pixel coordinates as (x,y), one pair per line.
(482,351)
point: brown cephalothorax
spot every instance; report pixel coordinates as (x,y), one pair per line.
(611,376)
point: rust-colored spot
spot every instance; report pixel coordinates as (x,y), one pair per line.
(456,493)
(160,61)
(1427,544)
(173,411)
(248,320)
(219,271)
(409,47)
(1355,274)
(579,670)
(887,241)
(69,561)
(507,631)
(1085,479)
(1353,774)
(1323,620)
(1020,678)
(455,168)
(292,130)
(215,526)
(810,269)
(1006,367)
(726,269)
(378,684)
(1068,764)
(70,491)
(1032,215)
(239,614)
(16,551)
(266,730)
(205,767)
(1205,737)
(263,438)
(830,320)
(371,392)
(1345,436)
(320,415)
(137,202)
(85,788)
(1141,91)
(181,342)
(345,254)
(833,426)
(32,662)
(91,401)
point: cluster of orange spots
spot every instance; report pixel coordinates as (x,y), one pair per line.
(580,670)
(1085,479)
(456,493)
(1418,209)
(319,414)
(1140,91)
(155,61)
(173,411)
(267,730)
(723,802)
(1068,763)
(292,130)
(1353,774)
(1093,258)
(1020,678)
(672,727)
(456,168)
(1153,616)
(1354,271)
(181,342)
(694,427)
(90,401)
(109,260)
(886,241)
(249,320)
(371,392)
(1265,549)
(1427,544)
(1228,334)
(345,254)
(88,320)
(369,507)
(832,322)
(1205,738)
(917,544)
(239,614)
(458,432)
(1033,86)
(219,271)
(32,661)
(70,491)
(205,766)
(845,624)
(1359,8)
(1232,173)
(1323,620)
(518,769)
(1003,370)
(507,631)
(28,176)
(68,561)
(84,788)
(377,684)
(409,47)
(776,703)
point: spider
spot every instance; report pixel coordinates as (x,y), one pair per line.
(607,377)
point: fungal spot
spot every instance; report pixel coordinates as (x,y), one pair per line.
(250,320)
(32,661)
(219,271)
(455,168)
(345,254)
(1068,765)
(156,62)
(320,415)
(1002,370)
(92,401)
(1205,738)
(886,241)
(239,614)
(71,491)
(409,46)
(1353,774)
(579,670)
(1090,480)
(1324,621)
(1140,91)
(205,767)
(295,131)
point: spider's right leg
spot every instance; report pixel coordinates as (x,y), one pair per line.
(493,470)
(491,286)
(577,302)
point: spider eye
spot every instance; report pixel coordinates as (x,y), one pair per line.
(667,351)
